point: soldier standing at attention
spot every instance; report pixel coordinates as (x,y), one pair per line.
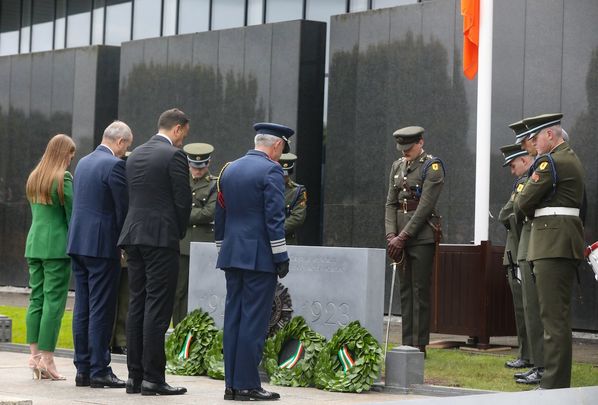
(295,197)
(412,229)
(518,160)
(552,197)
(201,220)
(531,307)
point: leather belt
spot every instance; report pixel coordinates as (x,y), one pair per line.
(408,205)
(544,212)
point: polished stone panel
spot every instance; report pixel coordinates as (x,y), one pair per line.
(227,80)
(44,94)
(328,286)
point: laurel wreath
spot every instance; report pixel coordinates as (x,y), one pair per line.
(329,374)
(301,375)
(214,358)
(201,325)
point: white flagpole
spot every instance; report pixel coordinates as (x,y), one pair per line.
(483,127)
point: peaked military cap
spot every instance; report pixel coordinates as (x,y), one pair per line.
(521,131)
(278,130)
(510,152)
(539,122)
(198,154)
(287,161)
(407,136)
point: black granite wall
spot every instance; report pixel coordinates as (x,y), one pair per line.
(402,66)
(226,81)
(72,91)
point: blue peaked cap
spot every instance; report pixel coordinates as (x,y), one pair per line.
(278,130)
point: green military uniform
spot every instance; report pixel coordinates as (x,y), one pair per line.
(413,190)
(507,218)
(295,197)
(552,197)
(201,221)
(531,306)
(119,331)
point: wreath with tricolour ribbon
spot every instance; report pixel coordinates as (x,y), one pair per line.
(188,344)
(290,355)
(350,361)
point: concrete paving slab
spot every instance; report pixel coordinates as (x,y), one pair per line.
(568,396)
(16,382)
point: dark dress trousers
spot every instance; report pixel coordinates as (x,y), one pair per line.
(99,209)
(249,232)
(159,208)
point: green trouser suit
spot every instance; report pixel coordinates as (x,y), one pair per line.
(49,282)
(533,322)
(415,278)
(554,278)
(516,292)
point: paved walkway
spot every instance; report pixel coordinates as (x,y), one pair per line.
(16,383)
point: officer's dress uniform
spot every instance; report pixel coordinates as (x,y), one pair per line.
(552,197)
(295,198)
(508,219)
(414,188)
(200,229)
(250,239)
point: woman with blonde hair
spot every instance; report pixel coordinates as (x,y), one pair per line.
(50,194)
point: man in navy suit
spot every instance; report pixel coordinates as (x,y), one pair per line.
(159,209)
(250,239)
(99,208)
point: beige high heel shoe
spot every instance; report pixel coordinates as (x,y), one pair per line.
(49,373)
(34,366)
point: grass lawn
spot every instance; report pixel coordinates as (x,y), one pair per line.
(17,314)
(455,368)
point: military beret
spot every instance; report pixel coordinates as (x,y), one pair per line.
(521,131)
(510,152)
(539,122)
(198,154)
(407,136)
(287,161)
(278,130)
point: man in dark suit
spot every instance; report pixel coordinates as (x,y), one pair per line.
(250,239)
(159,208)
(99,209)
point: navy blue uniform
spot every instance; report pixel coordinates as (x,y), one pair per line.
(249,232)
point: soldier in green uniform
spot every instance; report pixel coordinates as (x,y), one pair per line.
(553,196)
(295,197)
(519,161)
(411,220)
(531,307)
(201,221)
(118,344)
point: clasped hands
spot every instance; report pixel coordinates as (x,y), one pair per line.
(396,244)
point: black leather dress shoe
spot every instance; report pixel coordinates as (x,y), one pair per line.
(256,394)
(533,378)
(150,388)
(229,394)
(82,380)
(109,380)
(133,386)
(518,363)
(524,374)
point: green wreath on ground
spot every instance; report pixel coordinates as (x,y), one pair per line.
(350,361)
(290,355)
(188,344)
(214,358)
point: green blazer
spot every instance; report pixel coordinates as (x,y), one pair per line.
(203,209)
(49,224)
